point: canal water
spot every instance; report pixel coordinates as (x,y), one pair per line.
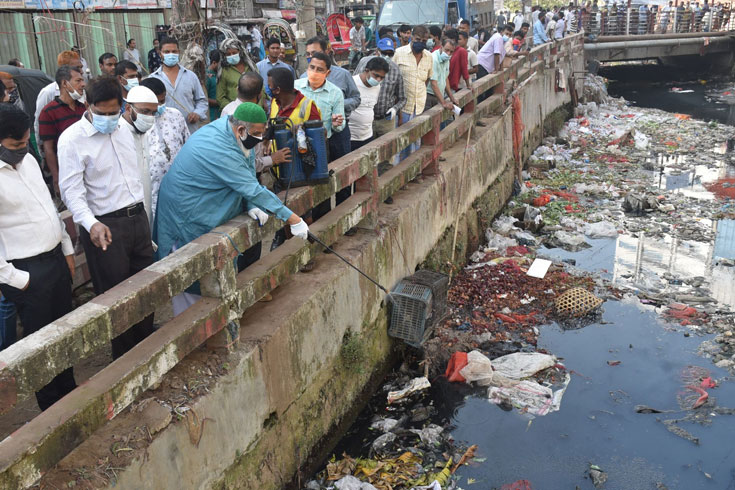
(598,423)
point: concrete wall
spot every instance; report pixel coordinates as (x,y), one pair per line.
(250,418)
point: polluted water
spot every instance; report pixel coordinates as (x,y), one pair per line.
(590,340)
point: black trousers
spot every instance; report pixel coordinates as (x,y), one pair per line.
(339,146)
(47,298)
(130,252)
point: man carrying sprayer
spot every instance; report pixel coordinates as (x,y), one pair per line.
(211,178)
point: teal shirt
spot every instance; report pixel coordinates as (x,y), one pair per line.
(440,72)
(328,98)
(208,183)
(212,94)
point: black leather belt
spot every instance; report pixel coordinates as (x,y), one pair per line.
(46,255)
(128,212)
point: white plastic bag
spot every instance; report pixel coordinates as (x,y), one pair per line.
(521,365)
(529,396)
(504,225)
(478,370)
(601,229)
(496,241)
(641,140)
(351,483)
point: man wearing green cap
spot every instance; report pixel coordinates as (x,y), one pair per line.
(212,177)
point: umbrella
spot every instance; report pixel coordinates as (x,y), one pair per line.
(30,83)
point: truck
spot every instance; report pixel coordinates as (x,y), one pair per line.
(395,13)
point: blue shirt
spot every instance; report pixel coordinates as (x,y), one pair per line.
(265,66)
(439,72)
(328,98)
(208,183)
(186,95)
(343,80)
(539,33)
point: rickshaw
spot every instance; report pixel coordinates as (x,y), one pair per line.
(338,30)
(281,29)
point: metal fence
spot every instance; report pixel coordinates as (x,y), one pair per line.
(656,20)
(36,38)
(33,361)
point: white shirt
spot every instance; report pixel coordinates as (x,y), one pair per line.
(471,63)
(559,29)
(142,152)
(98,173)
(29,222)
(361,119)
(518,21)
(45,96)
(231,107)
(473,44)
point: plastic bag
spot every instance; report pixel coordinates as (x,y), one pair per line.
(498,242)
(641,140)
(521,365)
(529,396)
(352,483)
(479,369)
(456,363)
(601,229)
(504,224)
(571,240)
(416,384)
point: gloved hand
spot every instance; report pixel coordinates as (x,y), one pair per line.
(259,215)
(391,114)
(300,229)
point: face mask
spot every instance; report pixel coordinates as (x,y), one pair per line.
(77,96)
(386,57)
(505,38)
(430,43)
(143,122)
(373,82)
(132,82)
(13,96)
(13,157)
(171,59)
(444,56)
(161,110)
(233,59)
(418,46)
(105,124)
(316,79)
(250,141)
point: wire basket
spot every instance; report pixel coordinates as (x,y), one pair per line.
(576,302)
(410,310)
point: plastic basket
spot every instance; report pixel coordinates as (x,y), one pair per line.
(439,284)
(410,310)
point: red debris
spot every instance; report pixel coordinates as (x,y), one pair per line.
(517,485)
(708,383)
(542,200)
(456,363)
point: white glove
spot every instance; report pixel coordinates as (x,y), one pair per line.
(258,215)
(300,229)
(391,114)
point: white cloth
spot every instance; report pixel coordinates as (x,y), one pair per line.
(231,107)
(142,153)
(361,119)
(165,140)
(132,55)
(85,69)
(471,63)
(98,173)
(473,44)
(29,222)
(45,96)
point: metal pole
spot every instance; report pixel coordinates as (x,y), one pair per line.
(306,28)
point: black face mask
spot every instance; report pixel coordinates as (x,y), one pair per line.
(13,157)
(250,142)
(14,95)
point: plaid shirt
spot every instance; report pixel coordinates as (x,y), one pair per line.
(415,77)
(392,94)
(329,100)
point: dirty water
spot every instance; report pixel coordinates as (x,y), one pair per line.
(628,359)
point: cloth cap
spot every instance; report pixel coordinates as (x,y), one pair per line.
(249,112)
(141,94)
(386,44)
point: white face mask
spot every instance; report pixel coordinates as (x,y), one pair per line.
(144,122)
(76,95)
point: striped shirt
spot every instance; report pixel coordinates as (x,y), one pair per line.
(56,116)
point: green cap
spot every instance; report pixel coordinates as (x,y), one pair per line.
(249,112)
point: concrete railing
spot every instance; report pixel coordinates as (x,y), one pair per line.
(33,361)
(634,21)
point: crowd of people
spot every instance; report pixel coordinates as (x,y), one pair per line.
(146,164)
